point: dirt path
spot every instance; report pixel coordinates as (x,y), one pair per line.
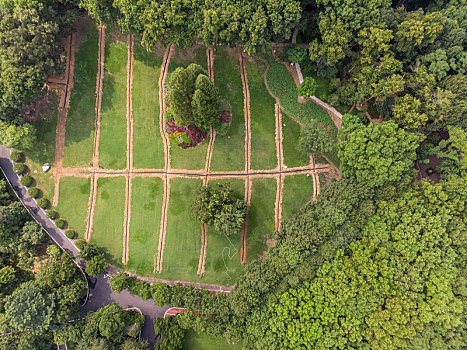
(166,179)
(129,150)
(280,166)
(97,132)
(212,138)
(65,86)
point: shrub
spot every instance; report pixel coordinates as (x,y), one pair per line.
(34,192)
(295,53)
(308,87)
(20,168)
(80,243)
(17,157)
(71,234)
(43,203)
(52,214)
(27,180)
(60,223)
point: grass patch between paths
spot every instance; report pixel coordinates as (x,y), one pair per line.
(298,190)
(108,217)
(79,138)
(293,154)
(146,207)
(73,202)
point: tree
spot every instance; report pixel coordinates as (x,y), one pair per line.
(120,282)
(133,344)
(27,308)
(205,102)
(376,154)
(96,265)
(101,10)
(458,107)
(307,87)
(316,138)
(7,275)
(171,334)
(17,136)
(89,250)
(295,53)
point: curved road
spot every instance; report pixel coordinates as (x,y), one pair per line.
(100,293)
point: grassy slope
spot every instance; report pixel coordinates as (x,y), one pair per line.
(112,147)
(261,220)
(203,341)
(44,150)
(298,190)
(193,158)
(147,141)
(108,217)
(263,123)
(81,113)
(145,224)
(73,202)
(229,150)
(293,155)
(223,253)
(183,238)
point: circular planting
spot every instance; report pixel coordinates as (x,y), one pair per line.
(34,192)
(27,181)
(60,223)
(52,214)
(43,203)
(20,168)
(71,234)
(17,157)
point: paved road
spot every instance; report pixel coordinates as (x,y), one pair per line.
(99,288)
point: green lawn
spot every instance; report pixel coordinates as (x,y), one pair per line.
(193,158)
(262,213)
(81,113)
(282,86)
(44,149)
(229,150)
(263,123)
(203,341)
(108,217)
(222,264)
(298,190)
(146,207)
(293,155)
(73,202)
(112,144)
(183,237)
(147,141)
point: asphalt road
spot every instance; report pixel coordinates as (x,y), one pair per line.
(100,293)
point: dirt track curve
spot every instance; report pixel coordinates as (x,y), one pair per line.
(166,178)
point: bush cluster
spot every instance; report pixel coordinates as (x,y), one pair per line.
(52,214)
(17,157)
(71,234)
(60,223)
(27,181)
(34,192)
(43,203)
(20,168)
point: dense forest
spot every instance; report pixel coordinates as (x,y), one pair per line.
(378,261)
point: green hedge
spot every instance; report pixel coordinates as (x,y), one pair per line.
(60,223)
(17,157)
(27,181)
(34,192)
(52,214)
(43,203)
(20,168)
(71,234)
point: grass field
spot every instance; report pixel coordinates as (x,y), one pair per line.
(146,207)
(293,155)
(223,253)
(81,113)
(203,341)
(263,122)
(261,219)
(298,190)
(73,202)
(147,141)
(112,146)
(43,150)
(183,238)
(229,150)
(108,217)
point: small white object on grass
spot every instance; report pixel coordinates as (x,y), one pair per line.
(284,124)
(285,166)
(46,167)
(228,137)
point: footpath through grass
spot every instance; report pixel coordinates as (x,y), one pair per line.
(146,207)
(108,217)
(203,341)
(113,137)
(263,120)
(183,237)
(79,138)
(73,202)
(229,150)
(147,141)
(193,158)
(282,86)
(298,190)
(222,264)
(262,216)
